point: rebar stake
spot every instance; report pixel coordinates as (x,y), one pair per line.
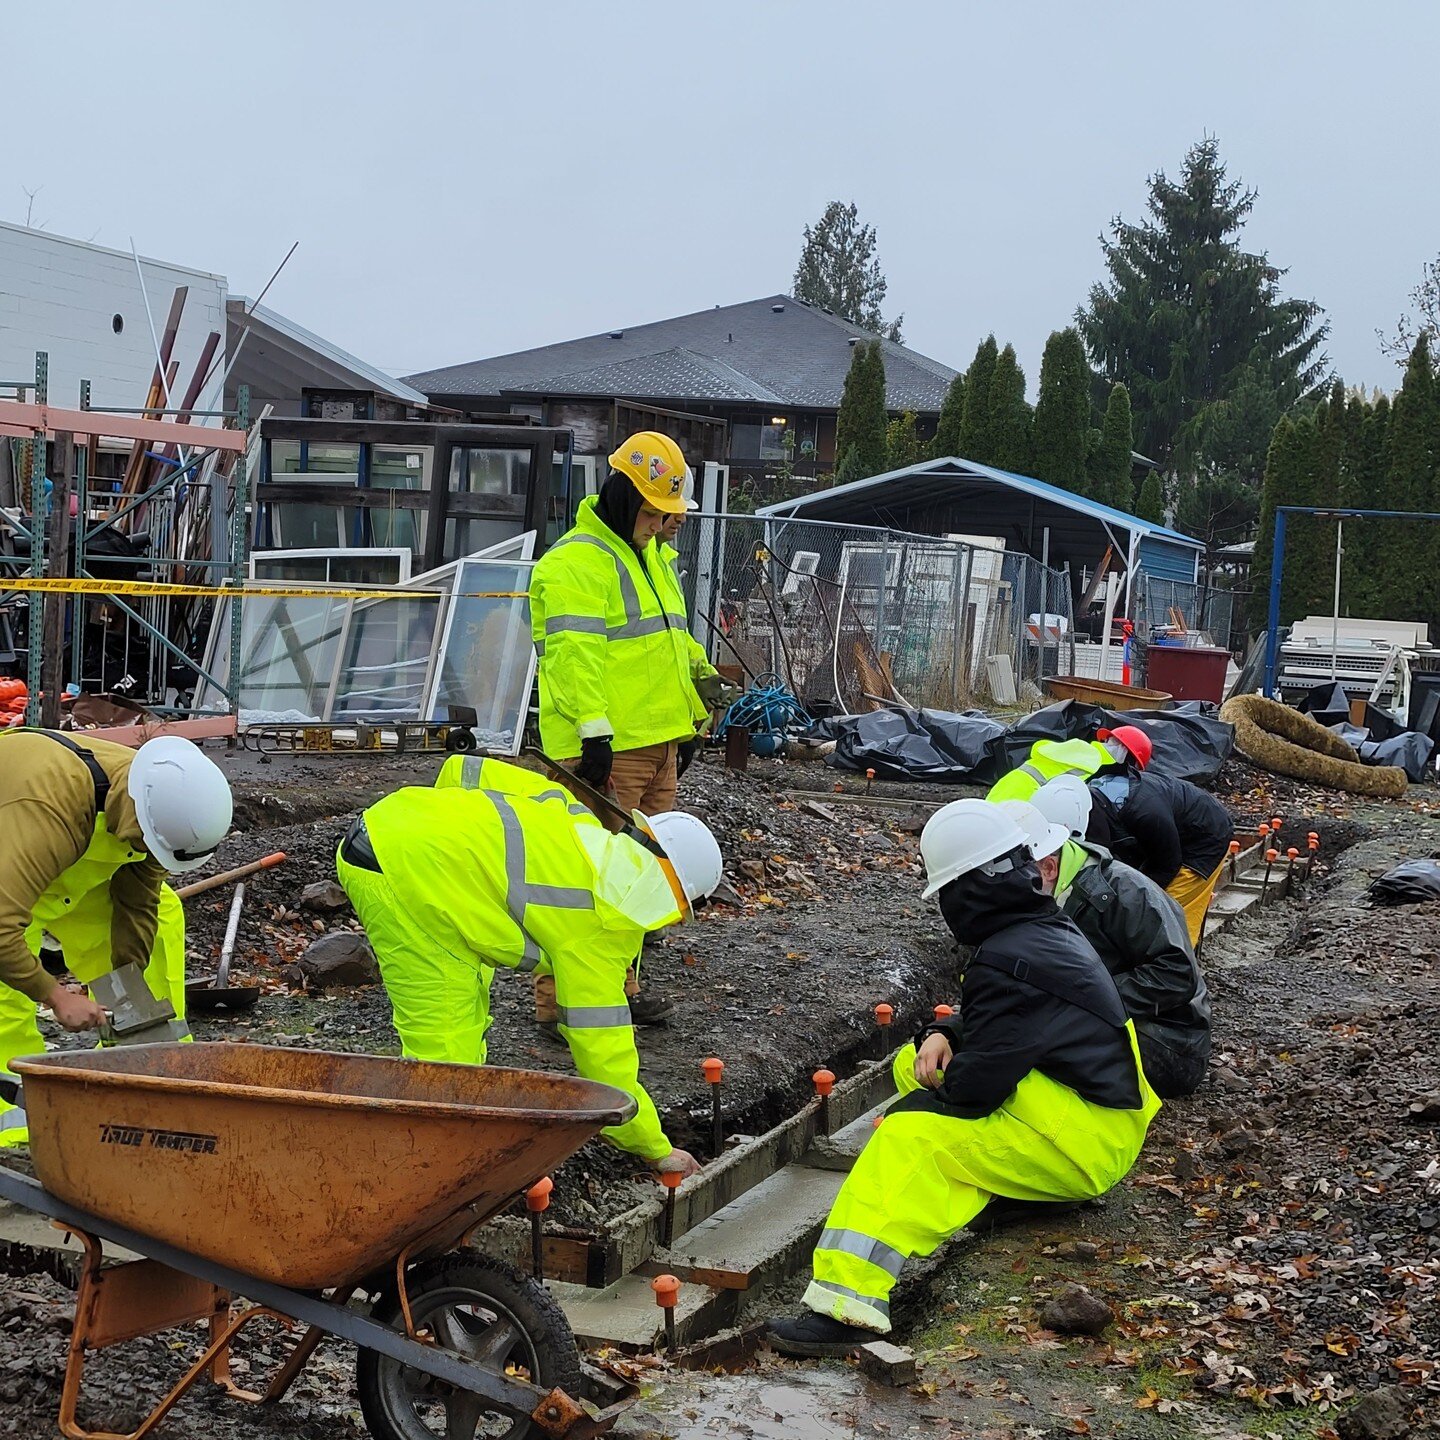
(537,1202)
(714,1072)
(1291,856)
(824,1083)
(671,1180)
(1234,859)
(667,1297)
(884,1014)
(1271,856)
(869,780)
(1312,840)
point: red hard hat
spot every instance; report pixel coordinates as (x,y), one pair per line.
(1135,740)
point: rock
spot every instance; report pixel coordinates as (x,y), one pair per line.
(887,1363)
(1382,1414)
(1239,1141)
(724,894)
(1075,1311)
(752,870)
(293,976)
(1186,1166)
(1076,1250)
(1227,1079)
(339,959)
(325,897)
(1427,1107)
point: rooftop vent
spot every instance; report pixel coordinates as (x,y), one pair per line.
(777,309)
(853,340)
(617,334)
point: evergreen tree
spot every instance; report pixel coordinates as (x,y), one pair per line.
(860,440)
(1010,417)
(1062,413)
(838,270)
(1151,503)
(1369,544)
(1110,462)
(1186,315)
(1414,451)
(975,426)
(952,416)
(902,443)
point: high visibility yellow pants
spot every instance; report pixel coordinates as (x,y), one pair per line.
(440,1001)
(84,934)
(925,1174)
(1193,893)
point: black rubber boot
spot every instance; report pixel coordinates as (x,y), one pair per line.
(647,1008)
(816,1337)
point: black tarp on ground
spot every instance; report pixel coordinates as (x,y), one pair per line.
(1408,749)
(1191,743)
(1407,884)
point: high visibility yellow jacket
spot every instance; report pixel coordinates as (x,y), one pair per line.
(504,865)
(54,850)
(1047,759)
(673,596)
(616,656)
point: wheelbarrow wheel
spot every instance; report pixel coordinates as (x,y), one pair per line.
(486,1311)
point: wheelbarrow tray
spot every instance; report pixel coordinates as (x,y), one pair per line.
(301,1167)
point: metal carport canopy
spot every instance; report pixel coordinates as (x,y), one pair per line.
(985,501)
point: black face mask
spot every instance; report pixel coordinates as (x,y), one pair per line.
(976,905)
(618,505)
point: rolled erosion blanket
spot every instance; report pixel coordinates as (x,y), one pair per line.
(1285,742)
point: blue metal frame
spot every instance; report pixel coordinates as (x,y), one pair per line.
(1277,561)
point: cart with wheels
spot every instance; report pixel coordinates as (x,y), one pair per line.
(336,1191)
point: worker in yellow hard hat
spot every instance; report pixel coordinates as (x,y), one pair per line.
(622,681)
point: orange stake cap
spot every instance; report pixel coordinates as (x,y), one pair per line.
(671,1179)
(712,1070)
(1272,856)
(1234,847)
(824,1082)
(1313,835)
(1291,853)
(869,774)
(944,1012)
(667,1291)
(537,1197)
(1276,822)
(884,1013)
(1263,828)
(875,1123)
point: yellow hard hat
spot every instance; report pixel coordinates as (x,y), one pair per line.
(657,468)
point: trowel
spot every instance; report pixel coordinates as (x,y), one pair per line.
(136,1016)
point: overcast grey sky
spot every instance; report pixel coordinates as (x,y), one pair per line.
(468,179)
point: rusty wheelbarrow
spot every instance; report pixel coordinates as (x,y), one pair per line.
(333,1190)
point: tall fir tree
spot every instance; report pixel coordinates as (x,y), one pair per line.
(952,418)
(1010,417)
(1150,504)
(975,426)
(860,439)
(838,270)
(1062,413)
(1110,462)
(1414,451)
(1369,544)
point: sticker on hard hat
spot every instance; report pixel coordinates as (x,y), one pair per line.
(658,468)
(637,457)
(135,1137)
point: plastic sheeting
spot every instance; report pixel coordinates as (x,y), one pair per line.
(1407,749)
(1191,742)
(1407,884)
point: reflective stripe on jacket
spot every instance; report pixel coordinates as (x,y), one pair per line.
(1047,759)
(616,656)
(507,866)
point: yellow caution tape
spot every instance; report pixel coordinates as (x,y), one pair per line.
(331,592)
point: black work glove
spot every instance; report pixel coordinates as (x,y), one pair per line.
(685,755)
(596,758)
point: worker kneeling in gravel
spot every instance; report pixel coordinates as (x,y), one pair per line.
(90,830)
(1168,829)
(498,866)
(1137,930)
(1033,1091)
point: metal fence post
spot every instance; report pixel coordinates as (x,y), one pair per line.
(34,627)
(239,549)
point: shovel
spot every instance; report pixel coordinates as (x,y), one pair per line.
(210,993)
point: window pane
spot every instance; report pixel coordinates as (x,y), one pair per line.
(488,659)
(287,657)
(337,462)
(484,471)
(464,535)
(392,468)
(387,659)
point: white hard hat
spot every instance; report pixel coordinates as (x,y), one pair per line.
(688,490)
(1042,837)
(181,800)
(691,849)
(1066,801)
(961,837)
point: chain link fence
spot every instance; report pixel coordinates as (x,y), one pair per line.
(1220,612)
(848,615)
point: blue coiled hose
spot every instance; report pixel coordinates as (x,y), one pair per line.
(767,709)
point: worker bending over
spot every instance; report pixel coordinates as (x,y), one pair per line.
(1049,758)
(622,681)
(497,866)
(1137,930)
(1034,1091)
(1169,829)
(90,829)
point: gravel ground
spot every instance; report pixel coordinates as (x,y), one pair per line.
(1275,1254)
